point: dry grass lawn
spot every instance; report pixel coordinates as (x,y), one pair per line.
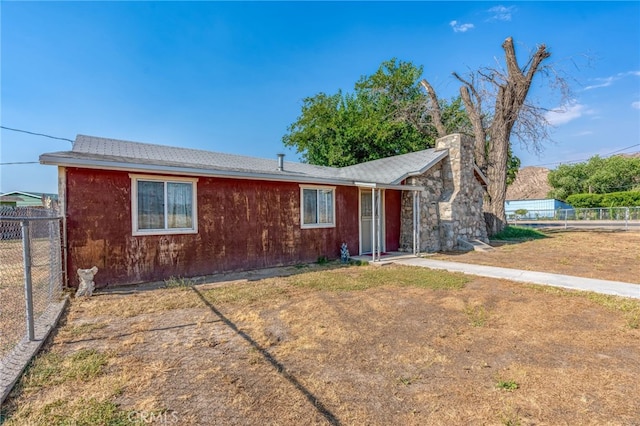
(349,345)
(608,255)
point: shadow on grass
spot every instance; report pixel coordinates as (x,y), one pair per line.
(251,275)
(117,336)
(583,230)
(328,415)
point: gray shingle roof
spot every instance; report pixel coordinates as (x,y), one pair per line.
(145,153)
(392,170)
(90,151)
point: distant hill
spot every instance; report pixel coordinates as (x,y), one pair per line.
(632,155)
(530,184)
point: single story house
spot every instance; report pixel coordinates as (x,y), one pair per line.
(536,209)
(9,200)
(27,199)
(143,212)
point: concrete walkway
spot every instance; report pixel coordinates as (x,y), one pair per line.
(616,288)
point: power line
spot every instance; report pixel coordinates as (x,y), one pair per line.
(36,134)
(19,162)
(623,149)
(586,159)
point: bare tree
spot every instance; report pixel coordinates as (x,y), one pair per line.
(496,103)
(433,107)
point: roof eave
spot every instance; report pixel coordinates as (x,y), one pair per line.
(424,169)
(47,159)
(389,186)
(28,194)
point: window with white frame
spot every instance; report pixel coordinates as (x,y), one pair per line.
(317,206)
(163,205)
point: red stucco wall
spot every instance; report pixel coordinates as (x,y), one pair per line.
(242,225)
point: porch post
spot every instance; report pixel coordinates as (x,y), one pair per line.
(379,227)
(373,224)
(418,222)
(415,229)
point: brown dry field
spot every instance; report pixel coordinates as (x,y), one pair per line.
(609,255)
(323,347)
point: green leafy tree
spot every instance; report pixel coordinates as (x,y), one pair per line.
(521,212)
(611,199)
(596,176)
(513,165)
(387,114)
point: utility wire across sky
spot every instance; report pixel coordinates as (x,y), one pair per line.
(69,140)
(586,159)
(36,134)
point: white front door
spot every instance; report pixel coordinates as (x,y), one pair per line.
(366,220)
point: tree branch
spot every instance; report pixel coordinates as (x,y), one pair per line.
(435,112)
(474,111)
(541,54)
(510,58)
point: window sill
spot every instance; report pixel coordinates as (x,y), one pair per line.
(164,232)
(318,226)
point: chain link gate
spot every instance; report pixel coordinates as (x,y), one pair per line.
(31,272)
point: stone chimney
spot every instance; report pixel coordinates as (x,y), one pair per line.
(460,205)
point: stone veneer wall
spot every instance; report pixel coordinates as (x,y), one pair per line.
(429,216)
(451,203)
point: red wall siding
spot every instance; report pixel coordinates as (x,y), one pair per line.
(392,219)
(242,225)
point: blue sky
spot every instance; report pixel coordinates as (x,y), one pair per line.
(231,76)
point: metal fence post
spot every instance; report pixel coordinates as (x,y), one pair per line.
(28,291)
(52,261)
(626,219)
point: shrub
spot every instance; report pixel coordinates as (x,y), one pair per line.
(612,199)
(518,233)
(621,199)
(521,212)
(585,200)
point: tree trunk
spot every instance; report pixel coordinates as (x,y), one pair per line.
(512,94)
(495,216)
(492,152)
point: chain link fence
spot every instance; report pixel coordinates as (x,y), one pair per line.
(599,213)
(603,213)
(30,270)
(600,217)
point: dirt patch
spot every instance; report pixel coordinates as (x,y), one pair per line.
(606,255)
(478,351)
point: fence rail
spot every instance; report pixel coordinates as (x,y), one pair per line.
(619,217)
(603,213)
(31,271)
